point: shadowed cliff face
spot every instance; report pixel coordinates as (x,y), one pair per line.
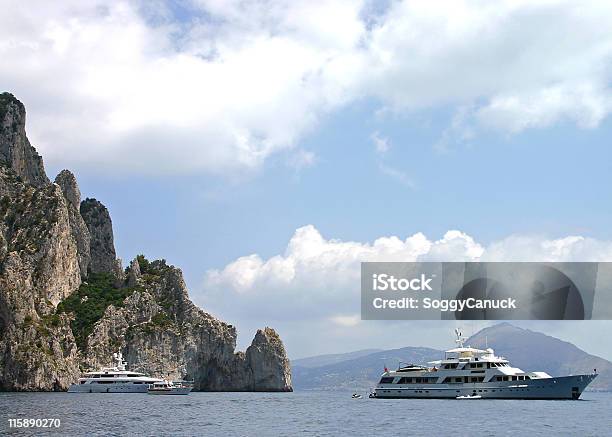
(66,304)
(100,226)
(68,184)
(15,149)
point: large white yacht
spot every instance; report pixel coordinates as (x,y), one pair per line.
(114,379)
(466,372)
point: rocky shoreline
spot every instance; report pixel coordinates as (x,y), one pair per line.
(66,303)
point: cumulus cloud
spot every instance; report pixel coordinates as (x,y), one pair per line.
(322,275)
(315,283)
(223,85)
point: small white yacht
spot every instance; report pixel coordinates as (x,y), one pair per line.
(114,379)
(168,388)
(469,373)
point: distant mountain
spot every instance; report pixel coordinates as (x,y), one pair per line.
(533,351)
(324,360)
(526,349)
(360,372)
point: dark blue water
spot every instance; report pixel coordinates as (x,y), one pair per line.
(303,413)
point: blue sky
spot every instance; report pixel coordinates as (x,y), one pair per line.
(263,147)
(552,182)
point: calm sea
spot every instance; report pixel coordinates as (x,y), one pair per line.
(302,413)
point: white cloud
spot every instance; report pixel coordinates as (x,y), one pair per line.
(323,274)
(125,86)
(315,282)
(347,321)
(399,175)
(381,144)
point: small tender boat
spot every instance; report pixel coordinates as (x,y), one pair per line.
(469,397)
(168,388)
(356,396)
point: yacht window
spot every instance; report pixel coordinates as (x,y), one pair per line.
(131,375)
(386,380)
(474,379)
(457,379)
(514,378)
(403,380)
(418,380)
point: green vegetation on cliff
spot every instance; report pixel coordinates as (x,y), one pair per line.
(89,303)
(93,297)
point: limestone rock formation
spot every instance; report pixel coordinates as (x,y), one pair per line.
(163,333)
(100,227)
(67,182)
(133,273)
(118,273)
(66,304)
(38,355)
(39,267)
(268,363)
(15,149)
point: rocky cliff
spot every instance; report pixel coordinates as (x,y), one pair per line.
(100,226)
(66,304)
(15,149)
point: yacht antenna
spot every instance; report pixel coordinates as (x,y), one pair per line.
(460,339)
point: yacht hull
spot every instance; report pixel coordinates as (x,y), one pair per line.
(108,388)
(564,387)
(173,391)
